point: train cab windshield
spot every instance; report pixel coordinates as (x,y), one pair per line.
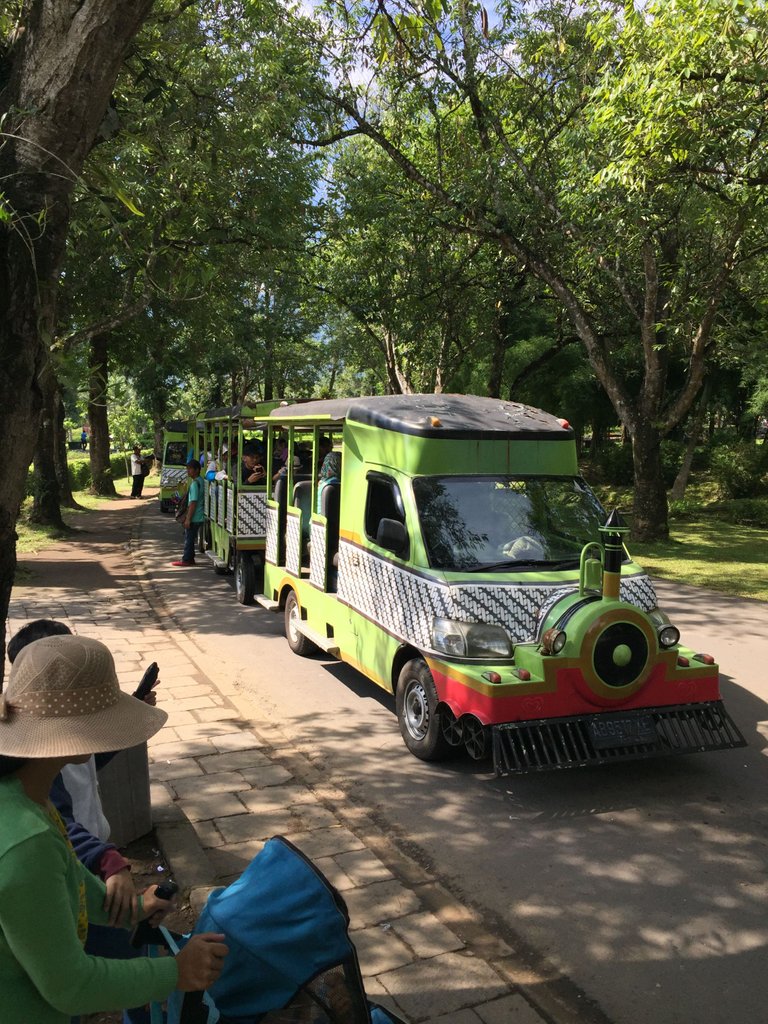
(498,523)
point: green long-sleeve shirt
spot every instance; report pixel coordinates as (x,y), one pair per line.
(45,975)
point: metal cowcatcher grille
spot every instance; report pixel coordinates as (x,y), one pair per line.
(550,743)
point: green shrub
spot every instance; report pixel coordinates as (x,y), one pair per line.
(741,470)
(672,455)
(687,508)
(744,512)
(80,473)
(117,466)
(613,465)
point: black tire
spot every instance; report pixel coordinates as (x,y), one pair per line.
(245,577)
(416,704)
(298,643)
(165,506)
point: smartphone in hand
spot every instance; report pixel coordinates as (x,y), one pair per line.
(148,681)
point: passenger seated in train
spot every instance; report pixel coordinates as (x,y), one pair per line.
(330,473)
(252,470)
(279,458)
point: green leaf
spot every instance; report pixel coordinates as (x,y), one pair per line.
(128,202)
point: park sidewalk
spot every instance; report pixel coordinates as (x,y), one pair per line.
(221,787)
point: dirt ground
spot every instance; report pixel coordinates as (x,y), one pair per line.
(148,868)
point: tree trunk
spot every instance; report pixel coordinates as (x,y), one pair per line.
(66,497)
(22,363)
(101,473)
(500,332)
(58,73)
(507,311)
(158,424)
(681,480)
(649,508)
(269,385)
(397,382)
(597,444)
(45,505)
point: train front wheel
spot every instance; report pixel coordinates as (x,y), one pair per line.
(417,713)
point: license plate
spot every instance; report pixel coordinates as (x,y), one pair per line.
(615,731)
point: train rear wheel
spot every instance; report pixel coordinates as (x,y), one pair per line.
(245,577)
(298,643)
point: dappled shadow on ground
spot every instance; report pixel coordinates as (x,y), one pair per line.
(71,563)
(646,881)
(653,871)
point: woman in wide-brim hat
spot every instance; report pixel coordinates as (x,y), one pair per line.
(62,704)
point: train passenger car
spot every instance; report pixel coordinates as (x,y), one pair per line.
(234,533)
(177,449)
(446,546)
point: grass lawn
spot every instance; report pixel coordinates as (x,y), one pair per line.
(709,553)
(703,549)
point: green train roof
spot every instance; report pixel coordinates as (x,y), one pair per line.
(455,416)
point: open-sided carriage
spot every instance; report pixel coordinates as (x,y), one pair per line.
(234,533)
(177,450)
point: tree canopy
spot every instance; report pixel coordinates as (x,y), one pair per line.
(558,202)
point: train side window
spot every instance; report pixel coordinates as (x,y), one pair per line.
(383,501)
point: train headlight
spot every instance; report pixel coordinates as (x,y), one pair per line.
(470,639)
(669,636)
(553,640)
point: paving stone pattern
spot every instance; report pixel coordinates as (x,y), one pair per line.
(218,792)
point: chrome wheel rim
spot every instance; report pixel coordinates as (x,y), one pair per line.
(293,619)
(416,708)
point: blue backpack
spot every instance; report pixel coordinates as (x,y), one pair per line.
(291,958)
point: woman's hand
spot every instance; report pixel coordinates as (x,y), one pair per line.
(121,902)
(155,909)
(200,962)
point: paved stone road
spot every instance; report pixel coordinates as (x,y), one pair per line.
(220,789)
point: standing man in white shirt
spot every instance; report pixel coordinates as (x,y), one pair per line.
(137,472)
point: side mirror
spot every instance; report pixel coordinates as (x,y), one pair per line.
(392,535)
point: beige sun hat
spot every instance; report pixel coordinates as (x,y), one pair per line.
(63,699)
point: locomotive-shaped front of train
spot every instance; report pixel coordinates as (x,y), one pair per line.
(615,683)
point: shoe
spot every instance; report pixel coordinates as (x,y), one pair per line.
(183,563)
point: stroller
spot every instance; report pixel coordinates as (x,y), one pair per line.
(291,960)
